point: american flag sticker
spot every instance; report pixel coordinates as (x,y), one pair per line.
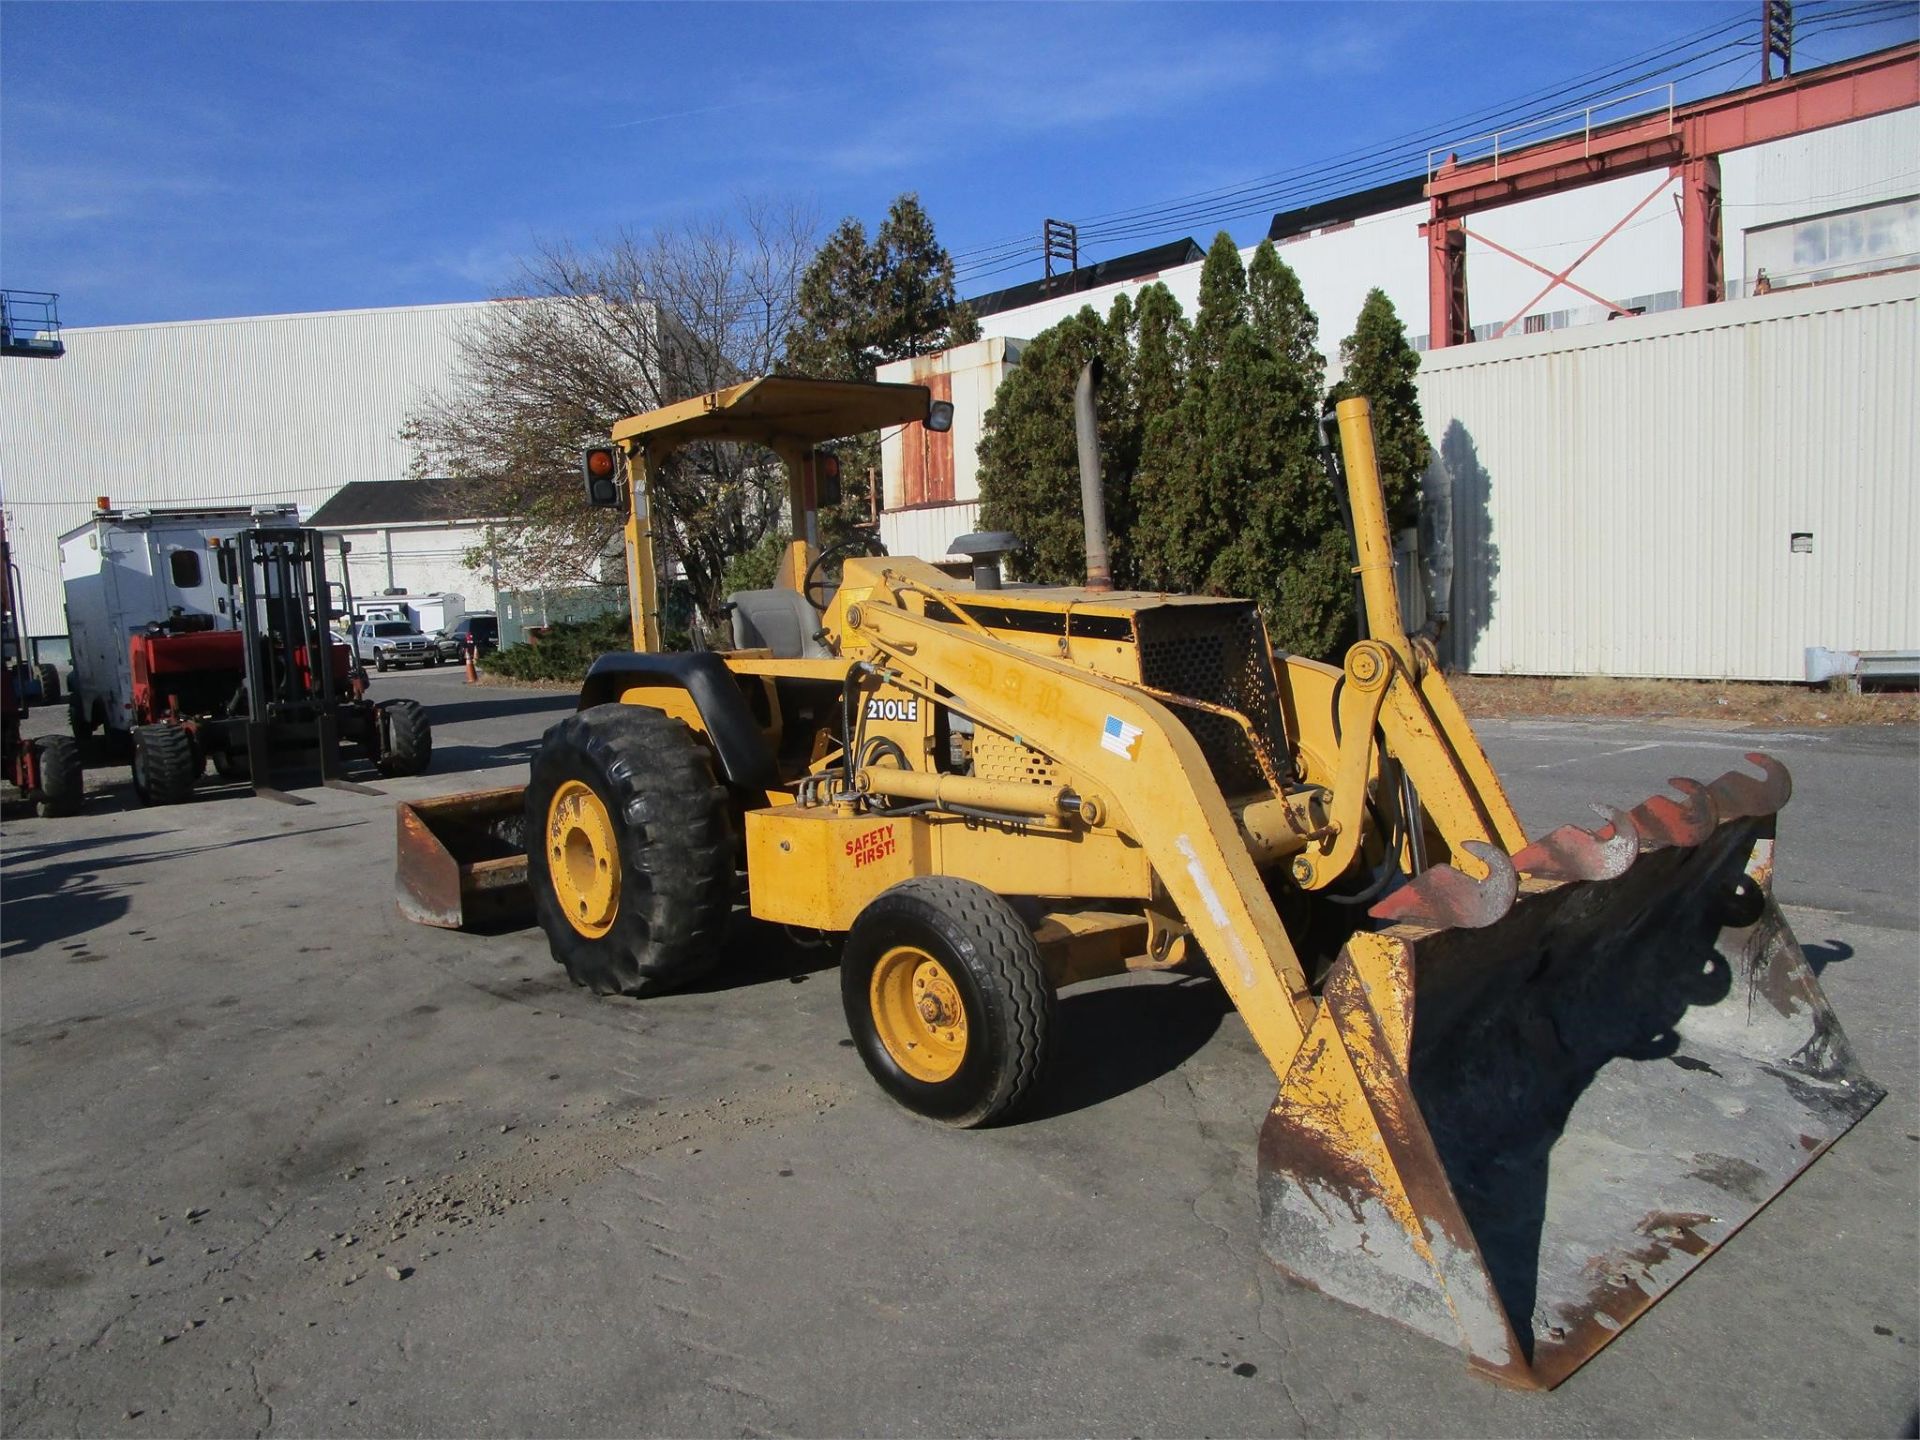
(1118,736)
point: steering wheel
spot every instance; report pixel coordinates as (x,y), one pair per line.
(860,542)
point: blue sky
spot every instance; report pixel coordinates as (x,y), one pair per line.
(175,161)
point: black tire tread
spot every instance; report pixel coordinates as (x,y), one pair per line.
(677,844)
(409,738)
(49,678)
(62,779)
(171,763)
(1008,968)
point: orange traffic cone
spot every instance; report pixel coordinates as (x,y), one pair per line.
(473,677)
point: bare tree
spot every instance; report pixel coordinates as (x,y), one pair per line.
(593,336)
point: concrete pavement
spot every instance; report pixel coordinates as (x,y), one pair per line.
(240,1094)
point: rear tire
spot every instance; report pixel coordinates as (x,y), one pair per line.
(630,850)
(232,765)
(62,781)
(79,721)
(916,951)
(164,764)
(409,747)
(49,677)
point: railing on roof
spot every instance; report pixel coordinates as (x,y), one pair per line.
(30,324)
(1482,147)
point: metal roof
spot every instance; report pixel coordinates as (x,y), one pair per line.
(1137,265)
(394,502)
(781,410)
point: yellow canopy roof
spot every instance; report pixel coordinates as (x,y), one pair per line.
(781,409)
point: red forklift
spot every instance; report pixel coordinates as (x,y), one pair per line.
(278,686)
(45,770)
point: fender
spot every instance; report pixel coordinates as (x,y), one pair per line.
(740,750)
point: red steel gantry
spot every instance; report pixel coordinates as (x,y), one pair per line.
(1686,141)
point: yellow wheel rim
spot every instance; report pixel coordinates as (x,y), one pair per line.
(583,859)
(918,1013)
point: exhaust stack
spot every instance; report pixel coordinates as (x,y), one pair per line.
(1093,500)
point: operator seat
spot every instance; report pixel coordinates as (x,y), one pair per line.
(778,621)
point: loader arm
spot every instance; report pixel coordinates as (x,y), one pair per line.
(1391,691)
(1145,765)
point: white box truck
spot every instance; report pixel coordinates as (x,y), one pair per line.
(125,569)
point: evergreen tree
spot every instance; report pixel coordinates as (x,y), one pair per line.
(1029,458)
(861,304)
(1380,365)
(1187,511)
(1223,303)
(1292,555)
(839,299)
(916,310)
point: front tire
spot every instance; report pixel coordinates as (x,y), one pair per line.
(79,720)
(948,1000)
(62,781)
(630,850)
(165,764)
(380,661)
(409,738)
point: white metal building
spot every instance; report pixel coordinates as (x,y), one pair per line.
(269,408)
(1867,172)
(1609,452)
(412,535)
(1706,492)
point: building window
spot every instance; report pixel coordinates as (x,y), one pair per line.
(185,565)
(1828,247)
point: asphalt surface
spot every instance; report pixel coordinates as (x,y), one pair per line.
(237,1088)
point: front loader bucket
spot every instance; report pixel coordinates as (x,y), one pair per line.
(462,861)
(1515,1131)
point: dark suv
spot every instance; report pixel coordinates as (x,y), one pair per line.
(485,630)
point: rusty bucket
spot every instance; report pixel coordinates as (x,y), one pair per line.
(462,861)
(1514,1127)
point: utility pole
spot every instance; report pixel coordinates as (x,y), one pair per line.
(1776,37)
(1060,240)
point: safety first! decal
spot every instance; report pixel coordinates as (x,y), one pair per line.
(872,846)
(1118,736)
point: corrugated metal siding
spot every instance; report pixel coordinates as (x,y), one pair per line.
(927,532)
(944,467)
(1624,495)
(280,407)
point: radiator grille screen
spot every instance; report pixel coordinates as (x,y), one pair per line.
(1218,653)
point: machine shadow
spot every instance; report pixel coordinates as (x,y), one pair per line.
(757,953)
(1476,559)
(1830,953)
(451,759)
(1118,1038)
(67,901)
(559,703)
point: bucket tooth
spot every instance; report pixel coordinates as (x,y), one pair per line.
(1571,853)
(1737,795)
(1665,823)
(1447,899)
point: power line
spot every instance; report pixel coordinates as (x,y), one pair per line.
(1352,170)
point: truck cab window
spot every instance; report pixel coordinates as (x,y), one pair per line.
(226,565)
(185,565)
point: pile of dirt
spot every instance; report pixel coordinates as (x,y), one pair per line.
(1723,702)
